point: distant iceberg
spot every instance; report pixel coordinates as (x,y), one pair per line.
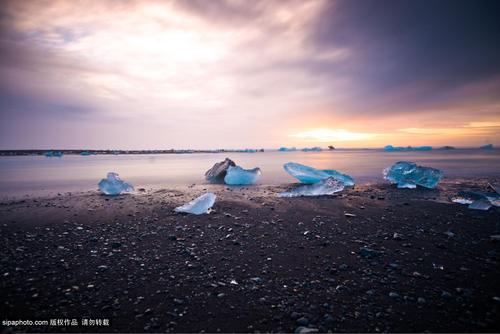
(217,173)
(312,149)
(487,147)
(408,175)
(51,154)
(238,176)
(199,205)
(327,186)
(306,174)
(287,149)
(390,148)
(113,185)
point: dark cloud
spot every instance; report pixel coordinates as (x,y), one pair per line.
(431,46)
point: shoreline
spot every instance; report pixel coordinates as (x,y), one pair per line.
(84,152)
(370,258)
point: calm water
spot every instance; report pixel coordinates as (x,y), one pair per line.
(37,174)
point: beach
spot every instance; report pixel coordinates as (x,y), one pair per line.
(372,258)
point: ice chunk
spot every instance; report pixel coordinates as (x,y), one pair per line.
(406,174)
(50,154)
(287,149)
(495,187)
(326,186)
(312,149)
(113,185)
(238,176)
(477,199)
(422,148)
(390,148)
(199,205)
(306,174)
(408,184)
(480,204)
(217,173)
(461,200)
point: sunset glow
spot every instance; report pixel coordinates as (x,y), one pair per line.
(332,135)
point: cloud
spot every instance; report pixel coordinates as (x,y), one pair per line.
(243,73)
(333,135)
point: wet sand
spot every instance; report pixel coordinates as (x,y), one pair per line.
(370,259)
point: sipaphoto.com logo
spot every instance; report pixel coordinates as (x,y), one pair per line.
(16,323)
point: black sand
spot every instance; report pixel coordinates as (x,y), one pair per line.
(298,264)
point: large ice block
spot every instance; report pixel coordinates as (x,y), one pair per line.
(238,176)
(408,175)
(217,173)
(326,186)
(199,205)
(113,185)
(306,174)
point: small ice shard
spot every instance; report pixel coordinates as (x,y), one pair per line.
(406,174)
(199,205)
(495,187)
(461,200)
(217,173)
(113,185)
(480,204)
(238,176)
(487,147)
(287,149)
(328,186)
(306,174)
(478,200)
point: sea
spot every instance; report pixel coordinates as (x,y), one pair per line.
(22,176)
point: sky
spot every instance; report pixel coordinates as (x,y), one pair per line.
(248,74)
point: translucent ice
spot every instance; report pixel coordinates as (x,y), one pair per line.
(478,200)
(422,148)
(238,176)
(287,149)
(306,174)
(481,204)
(113,185)
(408,175)
(217,173)
(390,148)
(312,149)
(199,205)
(326,186)
(50,154)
